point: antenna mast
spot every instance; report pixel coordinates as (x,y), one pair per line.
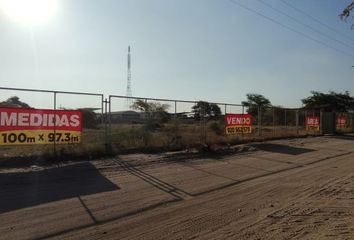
(129,76)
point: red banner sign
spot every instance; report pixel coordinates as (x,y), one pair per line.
(37,126)
(341,121)
(313,123)
(238,123)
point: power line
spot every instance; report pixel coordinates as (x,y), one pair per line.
(316,20)
(290,28)
(304,24)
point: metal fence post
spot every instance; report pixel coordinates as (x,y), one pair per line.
(243,112)
(321,122)
(102,101)
(204,126)
(55,124)
(176,123)
(146,124)
(105,126)
(259,121)
(273,110)
(297,121)
(110,121)
(305,122)
(225,108)
(285,120)
(201,122)
(175,110)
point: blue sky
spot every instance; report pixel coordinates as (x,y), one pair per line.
(210,50)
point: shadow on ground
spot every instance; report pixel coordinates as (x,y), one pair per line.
(284,149)
(349,137)
(21,190)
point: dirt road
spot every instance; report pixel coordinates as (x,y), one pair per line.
(286,189)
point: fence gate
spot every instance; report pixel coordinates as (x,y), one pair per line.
(328,123)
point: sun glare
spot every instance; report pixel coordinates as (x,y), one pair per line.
(31,12)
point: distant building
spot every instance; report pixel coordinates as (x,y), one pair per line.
(127,117)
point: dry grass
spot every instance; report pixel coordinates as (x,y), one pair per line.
(136,137)
(184,136)
(92,145)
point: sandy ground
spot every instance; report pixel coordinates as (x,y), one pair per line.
(285,189)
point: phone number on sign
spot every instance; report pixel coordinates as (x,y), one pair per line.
(238,129)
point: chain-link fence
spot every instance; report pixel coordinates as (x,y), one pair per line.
(284,122)
(121,124)
(344,122)
(163,124)
(146,123)
(92,138)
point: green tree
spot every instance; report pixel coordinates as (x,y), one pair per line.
(156,113)
(208,110)
(255,101)
(332,101)
(89,118)
(14,102)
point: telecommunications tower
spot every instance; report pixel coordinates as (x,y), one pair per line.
(129,76)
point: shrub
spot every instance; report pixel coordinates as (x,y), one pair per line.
(216,128)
